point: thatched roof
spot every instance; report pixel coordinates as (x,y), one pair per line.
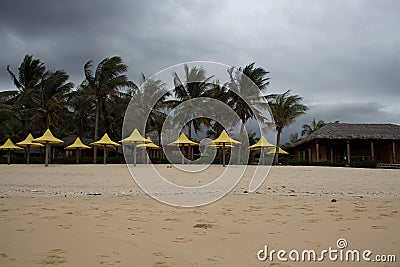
(350,131)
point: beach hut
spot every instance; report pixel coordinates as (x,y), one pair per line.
(8,146)
(351,144)
(105,142)
(183,141)
(78,145)
(135,138)
(28,143)
(149,145)
(47,139)
(223,141)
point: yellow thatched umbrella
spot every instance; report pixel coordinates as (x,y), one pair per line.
(28,143)
(134,139)
(261,145)
(105,142)
(77,145)
(48,139)
(280,151)
(9,145)
(149,145)
(224,141)
(183,141)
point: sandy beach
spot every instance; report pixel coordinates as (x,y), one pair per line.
(91,215)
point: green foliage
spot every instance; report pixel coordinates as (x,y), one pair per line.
(364,164)
(309,129)
(285,109)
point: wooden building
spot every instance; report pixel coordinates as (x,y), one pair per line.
(343,142)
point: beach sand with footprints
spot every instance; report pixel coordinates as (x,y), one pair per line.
(95,215)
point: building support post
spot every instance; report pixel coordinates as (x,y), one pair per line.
(394,152)
(304,155)
(332,155)
(348,153)
(372,151)
(309,155)
(317,150)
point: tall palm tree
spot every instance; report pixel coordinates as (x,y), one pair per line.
(246,87)
(151,104)
(309,129)
(51,100)
(10,123)
(107,80)
(195,85)
(243,84)
(27,82)
(83,113)
(285,109)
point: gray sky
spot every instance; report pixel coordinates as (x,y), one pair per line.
(342,56)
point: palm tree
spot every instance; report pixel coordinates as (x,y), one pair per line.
(294,138)
(247,86)
(309,129)
(285,109)
(27,82)
(150,91)
(243,85)
(10,123)
(196,85)
(83,114)
(50,102)
(106,81)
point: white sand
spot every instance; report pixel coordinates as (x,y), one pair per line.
(48,216)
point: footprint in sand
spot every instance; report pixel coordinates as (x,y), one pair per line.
(215,258)
(162,264)
(26,230)
(175,220)
(105,259)
(54,257)
(204,225)
(182,240)
(312,221)
(161,254)
(379,227)
(54,217)
(64,226)
(3,256)
(241,221)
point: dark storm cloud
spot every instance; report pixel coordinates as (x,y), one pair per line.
(329,52)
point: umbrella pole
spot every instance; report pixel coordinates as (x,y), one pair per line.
(147,157)
(28,153)
(8,156)
(105,155)
(134,154)
(77,155)
(183,157)
(262,155)
(223,154)
(46,160)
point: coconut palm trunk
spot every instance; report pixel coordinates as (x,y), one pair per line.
(278,140)
(96,132)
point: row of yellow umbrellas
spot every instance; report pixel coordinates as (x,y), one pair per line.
(48,138)
(135,139)
(225,141)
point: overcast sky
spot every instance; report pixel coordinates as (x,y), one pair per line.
(342,56)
